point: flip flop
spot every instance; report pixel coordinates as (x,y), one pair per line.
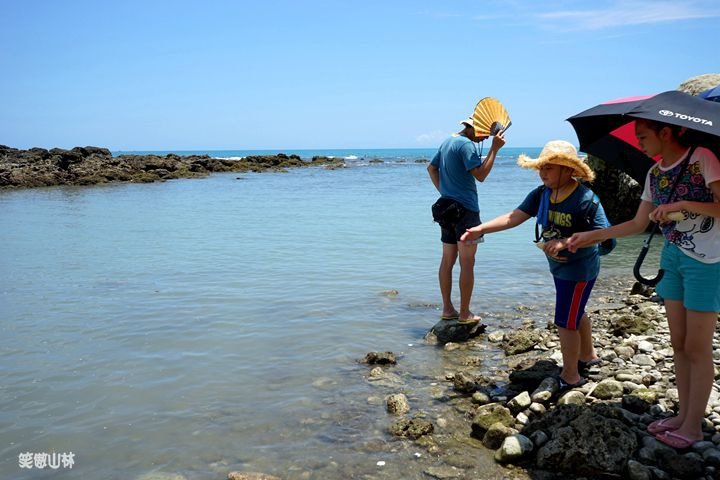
(469,321)
(660,426)
(563,386)
(675,440)
(582,366)
(450,317)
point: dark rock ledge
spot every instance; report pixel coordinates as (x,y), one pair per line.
(38,167)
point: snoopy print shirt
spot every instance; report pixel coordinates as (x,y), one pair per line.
(698,236)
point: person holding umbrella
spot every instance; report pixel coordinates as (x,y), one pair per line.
(682,194)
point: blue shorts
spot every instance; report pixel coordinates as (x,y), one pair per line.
(570,300)
(694,283)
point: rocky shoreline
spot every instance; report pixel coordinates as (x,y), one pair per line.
(38,167)
(595,431)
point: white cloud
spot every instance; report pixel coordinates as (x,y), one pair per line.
(624,13)
(431,138)
(438,14)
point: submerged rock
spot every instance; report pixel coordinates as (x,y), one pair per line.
(380,358)
(251,476)
(412,428)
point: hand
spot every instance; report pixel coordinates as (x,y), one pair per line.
(552,249)
(667,213)
(471,234)
(498,141)
(580,240)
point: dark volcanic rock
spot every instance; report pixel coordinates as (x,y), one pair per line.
(380,358)
(38,167)
(446,331)
(618,191)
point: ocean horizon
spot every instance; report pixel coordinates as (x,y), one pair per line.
(305,153)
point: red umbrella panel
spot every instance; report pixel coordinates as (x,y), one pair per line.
(604,131)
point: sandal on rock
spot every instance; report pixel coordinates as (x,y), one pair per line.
(582,366)
(469,321)
(450,317)
(660,426)
(675,440)
(563,386)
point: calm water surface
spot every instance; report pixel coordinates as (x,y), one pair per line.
(195,327)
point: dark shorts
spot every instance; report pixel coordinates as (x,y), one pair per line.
(453,232)
(570,300)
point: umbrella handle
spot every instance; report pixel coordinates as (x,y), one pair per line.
(636,269)
(641,257)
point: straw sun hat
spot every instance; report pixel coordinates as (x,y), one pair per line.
(559,152)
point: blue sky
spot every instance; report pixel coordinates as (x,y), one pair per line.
(270,74)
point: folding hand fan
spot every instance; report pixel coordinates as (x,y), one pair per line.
(490,117)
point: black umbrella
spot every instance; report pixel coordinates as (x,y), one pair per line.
(607,131)
(712,94)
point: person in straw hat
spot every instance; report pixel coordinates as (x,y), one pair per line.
(454,170)
(562,206)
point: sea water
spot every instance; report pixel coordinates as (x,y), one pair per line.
(199,326)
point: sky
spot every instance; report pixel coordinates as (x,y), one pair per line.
(311,74)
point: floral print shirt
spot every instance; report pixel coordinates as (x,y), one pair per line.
(698,236)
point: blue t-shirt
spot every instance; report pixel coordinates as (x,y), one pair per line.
(454,160)
(571,215)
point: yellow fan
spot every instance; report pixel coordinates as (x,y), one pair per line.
(490,117)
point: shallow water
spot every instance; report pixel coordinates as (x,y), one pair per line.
(202,326)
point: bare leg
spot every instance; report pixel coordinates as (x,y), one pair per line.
(467,279)
(570,349)
(697,350)
(677,321)
(449,256)
(587,349)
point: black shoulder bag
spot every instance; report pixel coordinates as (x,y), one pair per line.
(447,211)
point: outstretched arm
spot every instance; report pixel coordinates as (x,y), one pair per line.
(497,224)
(636,225)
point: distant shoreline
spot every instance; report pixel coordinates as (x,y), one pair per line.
(38,167)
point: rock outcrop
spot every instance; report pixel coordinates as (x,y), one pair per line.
(38,167)
(619,193)
(696,85)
